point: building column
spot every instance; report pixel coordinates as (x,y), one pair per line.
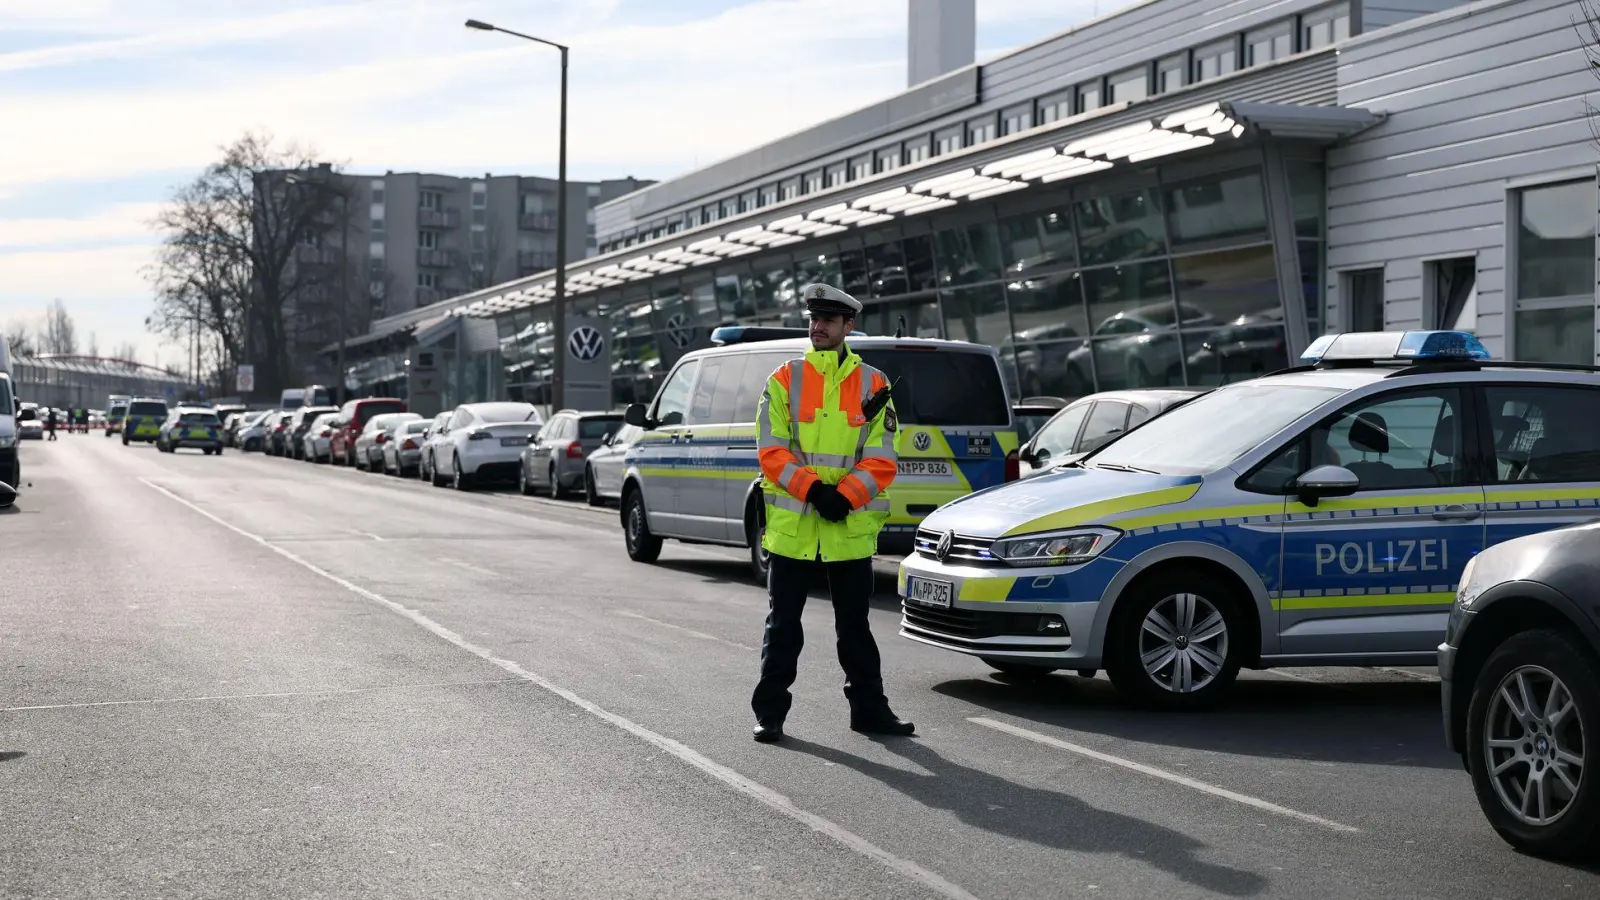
(1285,248)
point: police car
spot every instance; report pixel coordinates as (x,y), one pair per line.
(1317,516)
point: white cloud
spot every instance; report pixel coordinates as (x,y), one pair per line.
(121,222)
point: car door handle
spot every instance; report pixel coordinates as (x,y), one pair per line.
(1456,513)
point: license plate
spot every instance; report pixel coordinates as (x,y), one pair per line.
(928,593)
(512,442)
(922,467)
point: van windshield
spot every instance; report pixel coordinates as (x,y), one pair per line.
(5,396)
(1212,431)
(942,388)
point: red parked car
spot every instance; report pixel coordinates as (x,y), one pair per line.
(353,418)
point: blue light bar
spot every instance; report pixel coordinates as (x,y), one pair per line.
(1374,346)
(745,334)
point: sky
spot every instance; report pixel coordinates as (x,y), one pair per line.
(107,105)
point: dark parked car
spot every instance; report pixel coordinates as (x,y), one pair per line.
(1520,668)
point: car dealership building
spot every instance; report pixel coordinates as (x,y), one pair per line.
(1182,192)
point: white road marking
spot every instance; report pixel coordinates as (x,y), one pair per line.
(468,566)
(689,631)
(369,534)
(1201,786)
(750,788)
(327,693)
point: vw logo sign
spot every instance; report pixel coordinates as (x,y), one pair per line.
(585,343)
(679,331)
(942,550)
(922,441)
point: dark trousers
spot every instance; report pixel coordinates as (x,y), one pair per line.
(850,583)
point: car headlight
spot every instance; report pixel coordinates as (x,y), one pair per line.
(1466,591)
(7,441)
(1056,548)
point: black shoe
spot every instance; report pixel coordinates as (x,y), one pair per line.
(888,723)
(768,734)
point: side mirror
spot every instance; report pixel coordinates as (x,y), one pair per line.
(8,495)
(533,439)
(27,415)
(636,416)
(1326,481)
(605,440)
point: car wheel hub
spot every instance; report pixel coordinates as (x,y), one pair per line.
(635,524)
(1535,748)
(1183,643)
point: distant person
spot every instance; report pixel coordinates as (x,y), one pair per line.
(50,423)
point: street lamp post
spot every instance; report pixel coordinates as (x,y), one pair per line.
(558,314)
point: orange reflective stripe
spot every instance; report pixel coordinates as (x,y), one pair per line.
(853,490)
(850,397)
(782,469)
(811,387)
(879,469)
(782,374)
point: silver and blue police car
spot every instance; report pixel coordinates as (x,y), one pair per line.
(1317,516)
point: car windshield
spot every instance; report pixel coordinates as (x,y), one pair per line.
(5,395)
(952,387)
(1212,431)
(371,409)
(598,427)
(147,408)
(200,418)
(496,413)
(418,426)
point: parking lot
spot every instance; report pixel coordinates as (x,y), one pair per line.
(338,679)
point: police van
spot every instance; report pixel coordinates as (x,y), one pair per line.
(693,474)
(1317,516)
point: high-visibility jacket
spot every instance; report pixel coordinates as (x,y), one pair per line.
(810,427)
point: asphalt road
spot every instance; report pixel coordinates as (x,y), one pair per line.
(250,677)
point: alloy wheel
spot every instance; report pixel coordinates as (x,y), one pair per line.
(1534,745)
(1183,643)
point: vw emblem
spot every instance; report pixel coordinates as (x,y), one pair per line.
(679,331)
(922,441)
(585,343)
(943,548)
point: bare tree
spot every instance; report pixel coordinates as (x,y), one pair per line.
(479,267)
(127,351)
(244,248)
(94,344)
(19,338)
(59,334)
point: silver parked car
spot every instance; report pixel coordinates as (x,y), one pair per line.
(554,458)
(401,452)
(368,451)
(605,467)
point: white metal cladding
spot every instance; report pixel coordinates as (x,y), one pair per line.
(910,192)
(1474,97)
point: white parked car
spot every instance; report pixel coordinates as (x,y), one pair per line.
(401,451)
(318,441)
(483,442)
(432,439)
(369,443)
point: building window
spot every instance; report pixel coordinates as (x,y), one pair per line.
(980,131)
(375,249)
(377,190)
(888,160)
(427,279)
(1555,273)
(947,141)
(1089,96)
(428,240)
(1130,86)
(1170,74)
(1324,26)
(916,151)
(480,195)
(1055,107)
(767,196)
(813,182)
(1452,286)
(431,200)
(1016,119)
(1363,292)
(1267,44)
(833,176)
(377,224)
(1216,60)
(861,168)
(789,190)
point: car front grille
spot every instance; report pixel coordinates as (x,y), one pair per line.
(966,627)
(964,549)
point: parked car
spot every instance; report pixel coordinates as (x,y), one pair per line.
(368,449)
(554,459)
(432,438)
(318,438)
(299,423)
(1031,414)
(1095,421)
(483,442)
(1520,671)
(251,433)
(277,439)
(355,415)
(401,453)
(606,467)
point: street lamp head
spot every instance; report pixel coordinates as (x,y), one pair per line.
(481,26)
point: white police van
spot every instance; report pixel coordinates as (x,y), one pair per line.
(1317,516)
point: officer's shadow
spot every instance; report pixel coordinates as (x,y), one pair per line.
(1047,818)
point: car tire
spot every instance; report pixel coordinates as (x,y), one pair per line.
(643,547)
(755,530)
(591,492)
(1159,603)
(434,476)
(1016,670)
(524,486)
(557,491)
(459,480)
(1530,667)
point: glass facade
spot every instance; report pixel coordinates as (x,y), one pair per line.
(1079,289)
(1554,273)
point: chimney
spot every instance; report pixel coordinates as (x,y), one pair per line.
(942,37)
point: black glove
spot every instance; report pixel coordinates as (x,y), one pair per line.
(828,502)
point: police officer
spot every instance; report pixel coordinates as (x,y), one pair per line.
(827,444)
